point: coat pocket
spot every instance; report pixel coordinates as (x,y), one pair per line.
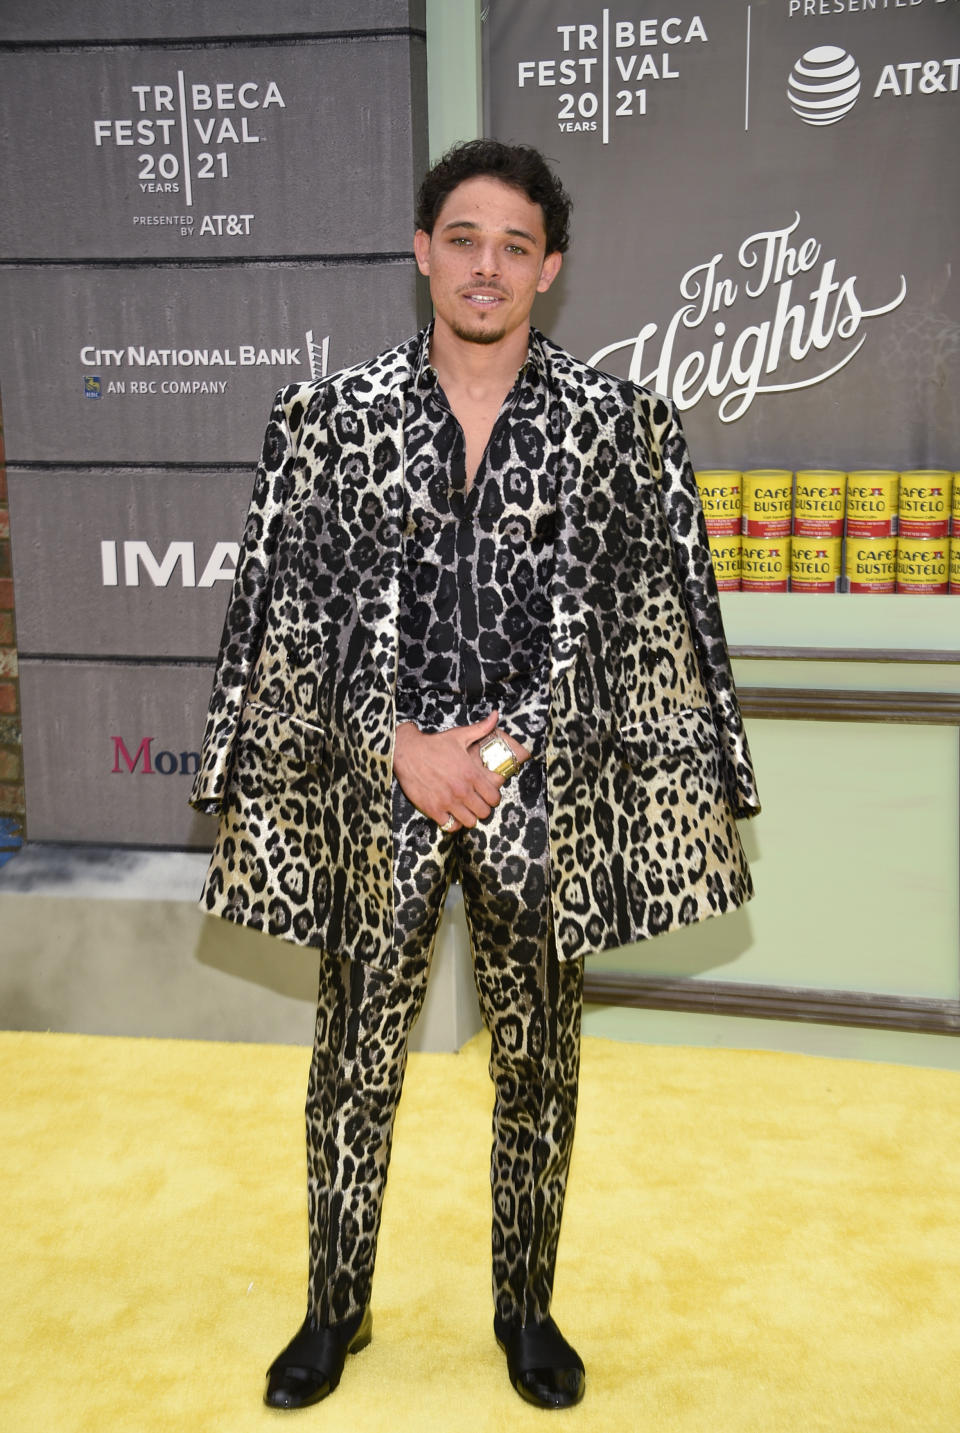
(688,732)
(271,738)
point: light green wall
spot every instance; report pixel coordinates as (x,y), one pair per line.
(855,859)
(453,72)
(843,621)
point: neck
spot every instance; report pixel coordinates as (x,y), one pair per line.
(478,367)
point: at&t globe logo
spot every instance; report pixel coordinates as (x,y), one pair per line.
(824,85)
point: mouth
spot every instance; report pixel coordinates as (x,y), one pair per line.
(483,300)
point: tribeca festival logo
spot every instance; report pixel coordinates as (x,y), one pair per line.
(186,139)
(135,363)
(603,73)
(795,323)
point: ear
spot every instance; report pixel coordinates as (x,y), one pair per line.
(421,248)
(551,267)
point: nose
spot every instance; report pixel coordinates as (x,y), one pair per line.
(485,261)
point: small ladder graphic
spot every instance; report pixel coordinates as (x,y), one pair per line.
(318,355)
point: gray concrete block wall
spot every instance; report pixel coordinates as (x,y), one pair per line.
(203,202)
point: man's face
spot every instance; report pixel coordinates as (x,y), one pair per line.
(486,260)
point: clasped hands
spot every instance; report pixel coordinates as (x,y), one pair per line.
(442,773)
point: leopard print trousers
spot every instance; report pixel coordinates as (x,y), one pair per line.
(531,1003)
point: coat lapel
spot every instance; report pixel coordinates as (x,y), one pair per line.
(583,451)
(371,499)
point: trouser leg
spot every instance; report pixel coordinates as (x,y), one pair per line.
(531,1003)
(364,1019)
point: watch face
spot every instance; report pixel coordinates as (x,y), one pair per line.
(495,752)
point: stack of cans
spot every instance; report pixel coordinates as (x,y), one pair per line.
(767,515)
(871,554)
(923,546)
(720,497)
(870,531)
(818,511)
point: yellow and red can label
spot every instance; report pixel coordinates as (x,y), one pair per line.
(765,564)
(924,506)
(954,585)
(871,564)
(767,502)
(956,505)
(814,564)
(872,503)
(721,497)
(922,564)
(726,552)
(819,503)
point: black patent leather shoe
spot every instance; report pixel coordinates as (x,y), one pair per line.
(543,1368)
(312,1362)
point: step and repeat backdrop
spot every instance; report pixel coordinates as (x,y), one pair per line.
(766,216)
(203,201)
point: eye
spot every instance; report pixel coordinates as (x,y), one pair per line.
(516,249)
(460,240)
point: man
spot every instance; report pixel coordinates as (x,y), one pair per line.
(474,633)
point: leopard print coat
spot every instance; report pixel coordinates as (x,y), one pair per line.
(646,759)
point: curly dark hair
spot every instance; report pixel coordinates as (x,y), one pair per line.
(516,164)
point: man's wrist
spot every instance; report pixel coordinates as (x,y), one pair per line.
(400,739)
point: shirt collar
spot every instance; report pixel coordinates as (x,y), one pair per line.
(533,368)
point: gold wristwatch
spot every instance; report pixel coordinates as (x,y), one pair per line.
(497,756)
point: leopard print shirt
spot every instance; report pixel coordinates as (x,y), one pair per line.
(474,613)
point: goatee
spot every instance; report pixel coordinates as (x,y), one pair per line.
(480,335)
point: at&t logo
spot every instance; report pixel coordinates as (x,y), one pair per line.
(824,85)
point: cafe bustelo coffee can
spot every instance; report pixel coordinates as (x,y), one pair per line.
(924,506)
(922,565)
(814,564)
(872,503)
(721,497)
(767,502)
(765,564)
(870,564)
(726,553)
(819,503)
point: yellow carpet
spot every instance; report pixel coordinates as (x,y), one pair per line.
(753,1242)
